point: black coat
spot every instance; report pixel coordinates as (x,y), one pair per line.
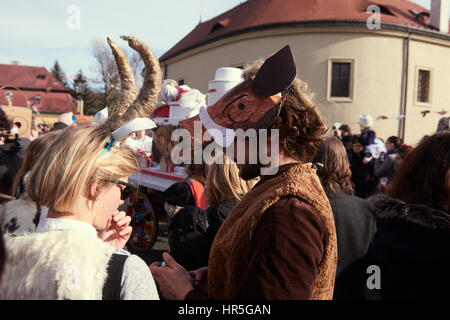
(11,158)
(362,175)
(192,232)
(412,249)
(355,227)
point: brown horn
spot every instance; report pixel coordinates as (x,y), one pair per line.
(128,87)
(145,102)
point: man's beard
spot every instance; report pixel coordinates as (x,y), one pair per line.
(249,171)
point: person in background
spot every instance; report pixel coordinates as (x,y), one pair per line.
(401,154)
(367,136)
(82,180)
(362,168)
(11,153)
(64,120)
(443,124)
(411,244)
(337,130)
(22,215)
(347,138)
(192,230)
(142,142)
(385,164)
(355,226)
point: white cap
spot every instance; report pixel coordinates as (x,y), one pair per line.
(101,116)
(225,79)
(365,120)
(66,118)
(337,125)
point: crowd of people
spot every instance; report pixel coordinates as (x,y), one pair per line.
(333,207)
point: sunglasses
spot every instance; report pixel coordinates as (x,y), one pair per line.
(125,192)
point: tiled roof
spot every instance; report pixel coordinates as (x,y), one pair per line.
(254,14)
(31,82)
(53,102)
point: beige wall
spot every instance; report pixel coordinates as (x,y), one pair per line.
(377,58)
(437,59)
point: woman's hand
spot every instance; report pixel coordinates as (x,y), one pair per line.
(117,231)
(173,280)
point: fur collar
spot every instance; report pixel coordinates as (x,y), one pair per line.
(385,208)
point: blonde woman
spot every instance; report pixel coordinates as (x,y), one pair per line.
(82,179)
(65,258)
(224,189)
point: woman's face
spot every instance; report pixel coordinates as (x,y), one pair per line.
(107,203)
(357,148)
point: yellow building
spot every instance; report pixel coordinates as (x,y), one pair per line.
(391,61)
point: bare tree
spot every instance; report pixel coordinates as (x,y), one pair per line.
(106,69)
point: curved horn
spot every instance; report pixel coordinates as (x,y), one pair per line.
(128,87)
(145,102)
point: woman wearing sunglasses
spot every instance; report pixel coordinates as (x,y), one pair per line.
(83,178)
(67,258)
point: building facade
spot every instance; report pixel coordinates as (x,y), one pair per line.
(398,73)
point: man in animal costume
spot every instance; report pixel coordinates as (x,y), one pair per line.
(279,242)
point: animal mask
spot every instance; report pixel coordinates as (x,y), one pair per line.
(254,103)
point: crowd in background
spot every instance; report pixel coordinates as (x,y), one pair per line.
(390,202)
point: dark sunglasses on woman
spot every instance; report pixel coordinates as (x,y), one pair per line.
(125,192)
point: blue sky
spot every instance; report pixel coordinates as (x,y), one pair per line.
(37,32)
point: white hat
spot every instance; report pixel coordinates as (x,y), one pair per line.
(101,116)
(365,120)
(337,125)
(66,118)
(225,79)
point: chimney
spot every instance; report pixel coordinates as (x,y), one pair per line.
(15,62)
(439,15)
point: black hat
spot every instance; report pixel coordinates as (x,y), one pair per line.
(58,126)
(179,194)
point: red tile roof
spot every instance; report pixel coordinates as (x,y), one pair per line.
(33,81)
(254,14)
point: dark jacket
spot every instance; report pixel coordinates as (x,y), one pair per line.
(367,137)
(11,158)
(411,248)
(192,232)
(355,227)
(347,141)
(385,166)
(362,175)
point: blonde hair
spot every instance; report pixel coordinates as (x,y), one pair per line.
(73,162)
(224,182)
(32,154)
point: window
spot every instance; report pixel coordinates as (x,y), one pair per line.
(423,86)
(340,79)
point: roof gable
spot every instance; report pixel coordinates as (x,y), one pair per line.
(259,13)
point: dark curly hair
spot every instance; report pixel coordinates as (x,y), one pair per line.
(301,127)
(424,176)
(5,122)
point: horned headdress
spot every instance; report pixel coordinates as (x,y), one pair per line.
(132,109)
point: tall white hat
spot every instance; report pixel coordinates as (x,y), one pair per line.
(225,79)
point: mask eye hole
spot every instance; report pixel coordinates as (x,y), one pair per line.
(241,106)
